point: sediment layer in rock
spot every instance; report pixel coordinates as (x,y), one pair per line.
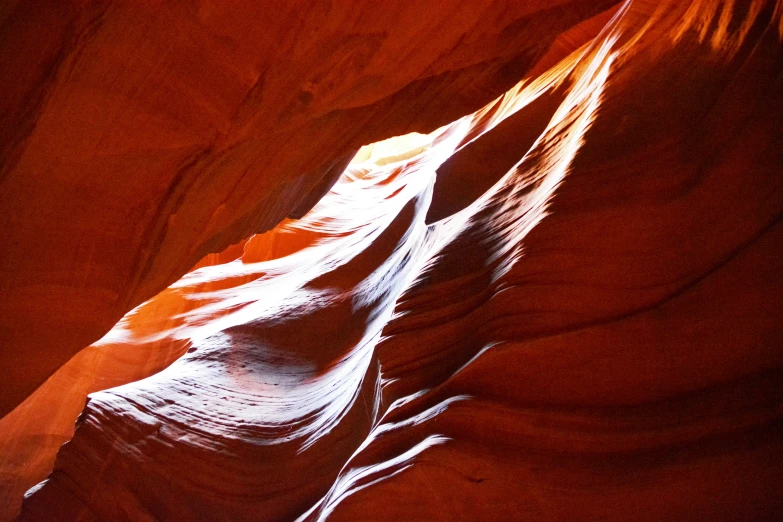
(587,327)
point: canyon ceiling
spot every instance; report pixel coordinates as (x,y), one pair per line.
(434,260)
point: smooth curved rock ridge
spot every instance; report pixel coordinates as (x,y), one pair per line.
(139,137)
(154,334)
(206,300)
(596,336)
(287,375)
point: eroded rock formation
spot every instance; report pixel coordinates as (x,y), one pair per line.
(139,136)
(564,306)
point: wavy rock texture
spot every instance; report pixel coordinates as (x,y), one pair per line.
(138,137)
(565,306)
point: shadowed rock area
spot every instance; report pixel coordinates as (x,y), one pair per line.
(139,136)
(558,299)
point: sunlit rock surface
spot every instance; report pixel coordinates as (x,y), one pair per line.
(138,137)
(565,306)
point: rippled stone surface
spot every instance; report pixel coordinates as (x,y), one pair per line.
(575,322)
(138,137)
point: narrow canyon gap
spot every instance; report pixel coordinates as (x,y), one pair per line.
(556,295)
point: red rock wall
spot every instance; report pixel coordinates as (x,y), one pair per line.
(139,136)
(565,306)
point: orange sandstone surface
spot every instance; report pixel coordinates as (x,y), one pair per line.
(558,297)
(138,137)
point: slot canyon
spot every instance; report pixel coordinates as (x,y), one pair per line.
(453,260)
